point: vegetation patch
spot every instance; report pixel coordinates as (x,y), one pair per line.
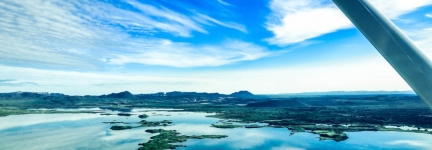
(145,123)
(143,116)
(226,126)
(166,138)
(331,135)
(253,126)
(120,127)
(113,122)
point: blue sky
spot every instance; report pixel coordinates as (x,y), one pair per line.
(145,46)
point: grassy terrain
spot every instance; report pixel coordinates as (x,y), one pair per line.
(365,109)
(166,138)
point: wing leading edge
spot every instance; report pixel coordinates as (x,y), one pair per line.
(393,45)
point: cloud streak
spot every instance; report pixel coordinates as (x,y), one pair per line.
(297,21)
(13,82)
(186,55)
(95,83)
(293,22)
(168,19)
(398,8)
(209,20)
(224,3)
(82,35)
(349,75)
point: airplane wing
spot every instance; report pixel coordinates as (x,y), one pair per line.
(413,66)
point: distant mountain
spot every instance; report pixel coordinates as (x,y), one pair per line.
(277,103)
(349,93)
(193,94)
(125,94)
(30,94)
(239,94)
(242,94)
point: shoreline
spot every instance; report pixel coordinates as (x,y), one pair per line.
(326,131)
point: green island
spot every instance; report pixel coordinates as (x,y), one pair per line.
(329,116)
(115,122)
(230,126)
(143,123)
(331,135)
(118,114)
(166,138)
(121,127)
(253,126)
(143,116)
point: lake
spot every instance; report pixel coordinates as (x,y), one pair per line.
(86,131)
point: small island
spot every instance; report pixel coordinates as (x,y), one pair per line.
(331,135)
(124,114)
(121,127)
(113,122)
(143,116)
(230,126)
(165,138)
(226,126)
(143,123)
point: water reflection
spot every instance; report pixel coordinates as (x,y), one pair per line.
(86,131)
(67,131)
(44,138)
(411,143)
(32,119)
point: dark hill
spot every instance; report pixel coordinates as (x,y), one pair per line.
(192,94)
(277,103)
(125,94)
(242,94)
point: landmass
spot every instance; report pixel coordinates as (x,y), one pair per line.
(143,116)
(230,126)
(327,115)
(143,123)
(120,127)
(166,138)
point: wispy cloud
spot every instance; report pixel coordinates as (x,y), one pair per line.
(25,79)
(422,38)
(428,15)
(167,53)
(398,7)
(208,20)
(35,32)
(296,21)
(224,3)
(13,82)
(79,34)
(6,80)
(168,18)
(368,73)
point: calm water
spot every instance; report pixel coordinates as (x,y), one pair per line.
(86,131)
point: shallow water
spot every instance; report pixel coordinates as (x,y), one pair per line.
(86,131)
